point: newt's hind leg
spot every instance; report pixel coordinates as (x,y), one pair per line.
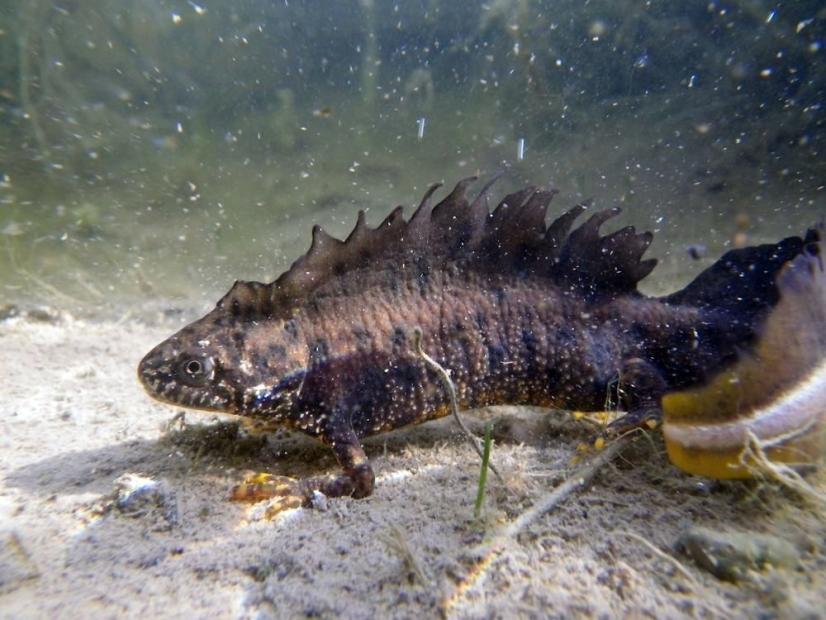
(641,389)
(357,480)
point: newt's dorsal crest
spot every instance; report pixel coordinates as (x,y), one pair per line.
(512,239)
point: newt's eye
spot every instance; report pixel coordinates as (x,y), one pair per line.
(195,371)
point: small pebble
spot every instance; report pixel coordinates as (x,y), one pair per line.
(138,496)
(319,501)
(732,555)
(43,314)
(8,311)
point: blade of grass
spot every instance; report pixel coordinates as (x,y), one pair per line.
(483,473)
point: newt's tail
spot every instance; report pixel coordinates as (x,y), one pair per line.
(774,395)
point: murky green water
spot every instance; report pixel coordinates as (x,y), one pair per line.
(151,153)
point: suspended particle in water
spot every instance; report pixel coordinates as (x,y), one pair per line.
(520,149)
(325,112)
(696,251)
(801,25)
(420,123)
(176,19)
(597,29)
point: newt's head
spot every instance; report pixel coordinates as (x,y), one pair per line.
(188,369)
(236,359)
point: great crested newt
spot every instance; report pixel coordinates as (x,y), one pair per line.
(520,312)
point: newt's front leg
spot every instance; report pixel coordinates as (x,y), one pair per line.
(357,480)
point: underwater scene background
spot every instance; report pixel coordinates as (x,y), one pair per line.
(153,152)
(161,150)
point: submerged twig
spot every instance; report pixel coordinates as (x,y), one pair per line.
(450,388)
(755,458)
(32,18)
(53,290)
(573,483)
(397,542)
(661,554)
(489,550)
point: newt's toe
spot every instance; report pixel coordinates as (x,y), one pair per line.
(278,505)
(261,486)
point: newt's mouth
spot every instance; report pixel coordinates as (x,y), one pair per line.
(161,377)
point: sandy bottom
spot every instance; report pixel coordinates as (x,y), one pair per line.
(74,420)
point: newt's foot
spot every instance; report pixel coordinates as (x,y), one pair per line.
(285,493)
(646,419)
